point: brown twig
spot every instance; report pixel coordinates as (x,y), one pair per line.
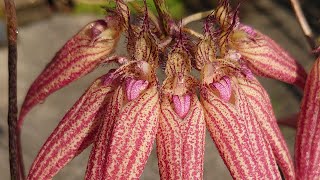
(193,33)
(195,17)
(303,23)
(15,165)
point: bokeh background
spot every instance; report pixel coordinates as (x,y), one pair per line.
(45,25)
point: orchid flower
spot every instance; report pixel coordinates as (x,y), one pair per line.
(264,56)
(124,111)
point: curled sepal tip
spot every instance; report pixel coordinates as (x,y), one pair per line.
(74,133)
(307,147)
(79,56)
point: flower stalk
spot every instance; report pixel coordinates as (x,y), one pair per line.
(15,154)
(304,24)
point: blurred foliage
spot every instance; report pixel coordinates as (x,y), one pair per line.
(176,7)
(1,12)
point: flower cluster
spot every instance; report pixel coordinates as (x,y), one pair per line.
(123,112)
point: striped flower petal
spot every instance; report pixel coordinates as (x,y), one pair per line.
(98,153)
(262,108)
(231,136)
(79,56)
(74,133)
(133,135)
(180,141)
(307,148)
(266,58)
(267,166)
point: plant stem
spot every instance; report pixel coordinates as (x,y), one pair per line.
(193,33)
(195,17)
(15,163)
(166,22)
(303,23)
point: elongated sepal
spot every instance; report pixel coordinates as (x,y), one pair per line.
(95,167)
(258,100)
(232,137)
(133,136)
(79,56)
(307,148)
(266,58)
(180,142)
(263,153)
(74,133)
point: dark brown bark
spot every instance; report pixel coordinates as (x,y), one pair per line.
(15,170)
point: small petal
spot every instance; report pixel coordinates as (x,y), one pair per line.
(178,62)
(260,103)
(307,148)
(224,88)
(205,52)
(231,136)
(180,142)
(266,58)
(247,72)
(135,87)
(133,135)
(181,105)
(141,44)
(98,153)
(74,133)
(79,56)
